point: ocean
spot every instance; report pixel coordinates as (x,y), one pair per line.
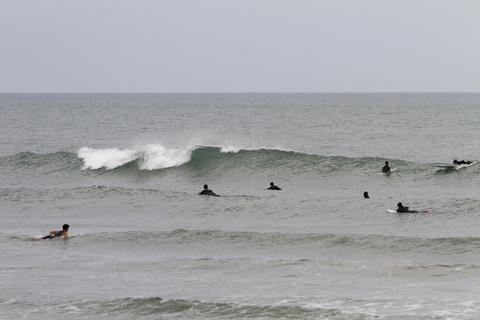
(124,171)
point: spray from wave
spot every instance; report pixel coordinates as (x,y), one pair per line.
(149,157)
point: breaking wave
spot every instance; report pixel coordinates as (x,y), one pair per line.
(149,157)
(152,157)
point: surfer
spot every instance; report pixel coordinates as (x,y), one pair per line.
(208,192)
(365,195)
(401,208)
(56,233)
(386,167)
(457,163)
(273,187)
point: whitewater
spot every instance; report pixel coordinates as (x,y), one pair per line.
(125,170)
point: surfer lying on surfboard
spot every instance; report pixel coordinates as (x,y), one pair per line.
(273,187)
(56,233)
(401,208)
(457,163)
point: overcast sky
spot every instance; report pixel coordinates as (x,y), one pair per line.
(239,45)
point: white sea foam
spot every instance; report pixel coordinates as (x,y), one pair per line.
(105,158)
(159,157)
(230,149)
(235,149)
(150,156)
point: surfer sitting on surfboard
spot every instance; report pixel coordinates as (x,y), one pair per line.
(457,163)
(401,208)
(208,192)
(386,167)
(61,233)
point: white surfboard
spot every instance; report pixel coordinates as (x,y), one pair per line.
(445,167)
(418,211)
(461,166)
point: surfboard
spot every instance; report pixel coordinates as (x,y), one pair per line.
(419,211)
(461,166)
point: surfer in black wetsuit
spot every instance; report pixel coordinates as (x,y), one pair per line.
(208,192)
(456,162)
(365,195)
(61,233)
(273,187)
(386,167)
(401,208)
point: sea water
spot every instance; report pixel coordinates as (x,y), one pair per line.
(124,171)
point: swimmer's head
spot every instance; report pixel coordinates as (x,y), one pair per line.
(65,227)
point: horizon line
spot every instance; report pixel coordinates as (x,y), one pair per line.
(224,92)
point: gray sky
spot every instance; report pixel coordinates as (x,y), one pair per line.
(239,45)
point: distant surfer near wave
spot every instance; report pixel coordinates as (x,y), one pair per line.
(56,233)
(365,195)
(273,187)
(386,167)
(457,163)
(401,208)
(208,192)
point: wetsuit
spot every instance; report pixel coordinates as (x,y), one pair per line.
(463,162)
(54,234)
(405,209)
(207,192)
(274,188)
(386,168)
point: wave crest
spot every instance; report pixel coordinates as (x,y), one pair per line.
(199,159)
(194,309)
(149,157)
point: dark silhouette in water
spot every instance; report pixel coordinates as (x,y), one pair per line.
(386,167)
(207,192)
(365,195)
(456,162)
(401,208)
(273,187)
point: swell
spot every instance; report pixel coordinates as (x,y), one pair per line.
(192,308)
(95,191)
(159,308)
(49,162)
(201,159)
(259,240)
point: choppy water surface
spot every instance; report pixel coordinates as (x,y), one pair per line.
(125,171)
